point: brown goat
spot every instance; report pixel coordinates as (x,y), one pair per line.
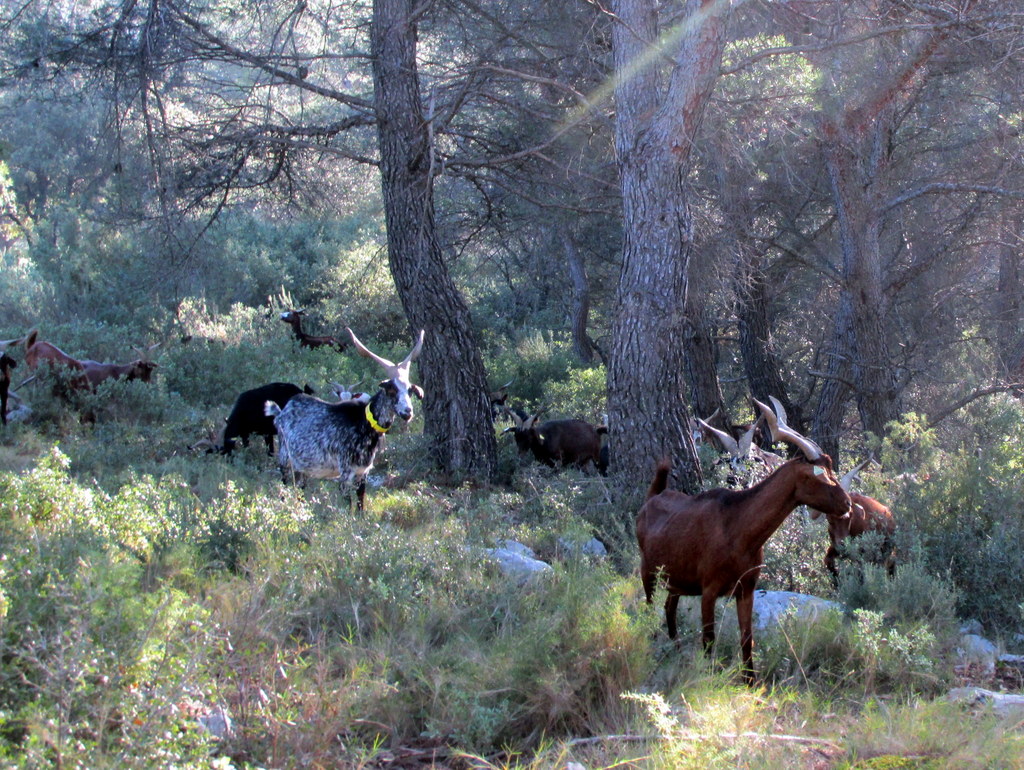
(557,442)
(294,319)
(37,352)
(138,369)
(6,364)
(712,544)
(866,515)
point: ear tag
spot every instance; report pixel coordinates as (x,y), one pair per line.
(818,470)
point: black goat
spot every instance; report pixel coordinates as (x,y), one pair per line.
(558,442)
(248,416)
(339,441)
(6,364)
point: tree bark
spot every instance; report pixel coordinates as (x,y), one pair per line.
(853,172)
(456,407)
(701,359)
(760,364)
(581,342)
(655,126)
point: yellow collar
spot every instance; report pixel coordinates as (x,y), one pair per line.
(373,422)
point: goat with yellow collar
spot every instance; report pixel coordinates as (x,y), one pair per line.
(321,440)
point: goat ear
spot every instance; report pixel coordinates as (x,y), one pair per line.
(417,391)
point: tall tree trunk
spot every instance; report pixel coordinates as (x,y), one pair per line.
(581,342)
(854,170)
(1009,340)
(836,389)
(655,126)
(456,407)
(701,359)
(760,364)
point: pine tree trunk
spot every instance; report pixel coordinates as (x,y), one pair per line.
(456,408)
(655,125)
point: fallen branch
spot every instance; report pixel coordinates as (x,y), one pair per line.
(690,736)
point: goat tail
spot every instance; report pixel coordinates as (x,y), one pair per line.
(271,409)
(660,481)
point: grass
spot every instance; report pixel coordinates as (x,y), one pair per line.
(142,586)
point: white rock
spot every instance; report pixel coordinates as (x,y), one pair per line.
(1003,703)
(769,607)
(516,565)
(971,626)
(977,649)
(516,547)
(592,547)
(217,722)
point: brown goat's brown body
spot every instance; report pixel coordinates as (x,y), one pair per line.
(712,544)
(38,351)
(866,515)
(139,369)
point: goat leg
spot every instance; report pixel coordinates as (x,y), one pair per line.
(671,603)
(745,615)
(707,618)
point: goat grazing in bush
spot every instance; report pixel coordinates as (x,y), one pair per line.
(249,415)
(866,515)
(558,442)
(38,352)
(294,319)
(140,369)
(339,441)
(712,544)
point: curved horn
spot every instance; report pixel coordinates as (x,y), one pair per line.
(529,422)
(414,353)
(780,410)
(728,442)
(847,480)
(4,344)
(516,420)
(782,432)
(390,366)
(748,438)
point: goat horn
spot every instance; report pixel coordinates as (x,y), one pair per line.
(780,410)
(389,366)
(728,442)
(748,438)
(415,352)
(782,432)
(847,480)
(515,419)
(4,344)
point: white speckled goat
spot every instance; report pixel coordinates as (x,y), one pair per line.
(321,440)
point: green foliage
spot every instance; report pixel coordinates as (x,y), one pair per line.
(960,509)
(580,395)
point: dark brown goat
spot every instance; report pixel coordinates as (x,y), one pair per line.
(712,544)
(294,319)
(866,515)
(6,364)
(557,442)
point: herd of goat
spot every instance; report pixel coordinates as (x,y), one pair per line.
(709,545)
